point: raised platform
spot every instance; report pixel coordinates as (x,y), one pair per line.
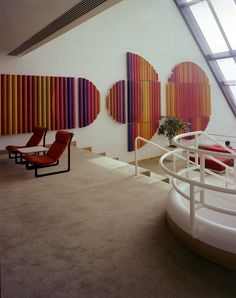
(215,231)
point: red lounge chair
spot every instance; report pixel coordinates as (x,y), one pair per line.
(214,166)
(51,158)
(215,148)
(211,164)
(38,133)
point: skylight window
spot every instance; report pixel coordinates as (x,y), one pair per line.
(226,12)
(228,68)
(207,23)
(233,90)
(212,24)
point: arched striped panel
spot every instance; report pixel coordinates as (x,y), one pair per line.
(139,69)
(88,102)
(27,101)
(4,115)
(143,100)
(115,102)
(188,95)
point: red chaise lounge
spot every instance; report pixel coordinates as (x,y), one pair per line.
(39,133)
(211,164)
(51,158)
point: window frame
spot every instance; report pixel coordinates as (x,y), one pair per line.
(210,57)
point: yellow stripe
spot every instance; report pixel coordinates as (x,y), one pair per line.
(25,105)
(44,102)
(35,101)
(39,102)
(148,102)
(20,104)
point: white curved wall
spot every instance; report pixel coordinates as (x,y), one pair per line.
(213,228)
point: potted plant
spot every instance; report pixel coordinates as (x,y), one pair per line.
(171,127)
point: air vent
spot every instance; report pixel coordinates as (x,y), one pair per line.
(68,17)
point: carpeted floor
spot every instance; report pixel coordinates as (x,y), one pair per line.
(95,232)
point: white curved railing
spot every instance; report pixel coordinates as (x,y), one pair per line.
(197,184)
(151,143)
(223,138)
(210,154)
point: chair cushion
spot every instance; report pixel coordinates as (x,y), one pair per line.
(63,136)
(12,148)
(56,150)
(39,160)
(211,164)
(36,137)
(214,166)
(33,141)
(215,148)
(60,144)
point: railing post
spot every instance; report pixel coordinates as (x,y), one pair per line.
(234,165)
(227,177)
(187,163)
(196,147)
(202,177)
(192,212)
(136,156)
(174,162)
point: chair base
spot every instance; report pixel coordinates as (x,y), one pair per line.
(15,156)
(36,168)
(37,175)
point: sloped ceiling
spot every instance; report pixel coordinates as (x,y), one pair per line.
(27,24)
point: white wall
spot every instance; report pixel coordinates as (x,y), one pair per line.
(97,50)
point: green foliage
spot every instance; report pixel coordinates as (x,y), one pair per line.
(171,127)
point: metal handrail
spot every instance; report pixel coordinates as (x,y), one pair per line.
(173,174)
(195,182)
(196,134)
(195,185)
(202,184)
(149,142)
(211,154)
(232,139)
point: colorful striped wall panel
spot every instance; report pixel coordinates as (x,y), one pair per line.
(139,69)
(88,102)
(188,95)
(116,103)
(27,101)
(143,100)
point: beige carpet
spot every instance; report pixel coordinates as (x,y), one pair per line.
(95,232)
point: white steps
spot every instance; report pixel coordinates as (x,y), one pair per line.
(117,166)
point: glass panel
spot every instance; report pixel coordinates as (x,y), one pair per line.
(209,27)
(226,12)
(228,68)
(233,89)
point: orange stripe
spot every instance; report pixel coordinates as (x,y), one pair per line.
(48,103)
(14,104)
(40,117)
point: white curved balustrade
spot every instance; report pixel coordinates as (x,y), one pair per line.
(202,203)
